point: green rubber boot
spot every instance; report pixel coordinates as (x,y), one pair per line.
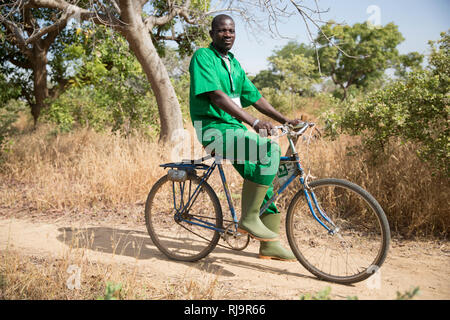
(274,250)
(252,196)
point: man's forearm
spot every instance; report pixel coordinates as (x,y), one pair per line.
(263,106)
(224,102)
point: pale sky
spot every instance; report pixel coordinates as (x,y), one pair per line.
(418,21)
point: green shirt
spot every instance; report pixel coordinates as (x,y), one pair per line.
(209,72)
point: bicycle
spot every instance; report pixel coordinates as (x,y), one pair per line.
(335,228)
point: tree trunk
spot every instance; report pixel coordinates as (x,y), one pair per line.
(40,88)
(345,89)
(141,44)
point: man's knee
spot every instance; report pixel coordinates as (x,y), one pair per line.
(275,148)
(270,151)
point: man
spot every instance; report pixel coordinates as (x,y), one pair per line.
(219,92)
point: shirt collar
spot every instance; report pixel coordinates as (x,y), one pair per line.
(218,54)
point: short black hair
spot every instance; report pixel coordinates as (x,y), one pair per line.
(219,18)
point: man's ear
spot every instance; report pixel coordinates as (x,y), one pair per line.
(211,33)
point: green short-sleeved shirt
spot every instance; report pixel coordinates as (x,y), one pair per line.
(209,72)
(222,133)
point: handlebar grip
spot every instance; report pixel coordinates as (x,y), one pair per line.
(300,125)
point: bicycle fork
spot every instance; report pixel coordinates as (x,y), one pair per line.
(311,199)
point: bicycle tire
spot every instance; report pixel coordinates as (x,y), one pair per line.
(364,231)
(182,241)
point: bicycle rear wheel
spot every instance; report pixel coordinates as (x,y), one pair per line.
(175,235)
(359,246)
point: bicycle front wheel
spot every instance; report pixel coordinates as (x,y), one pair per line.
(359,244)
(183,236)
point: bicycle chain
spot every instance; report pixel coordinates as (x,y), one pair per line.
(220,245)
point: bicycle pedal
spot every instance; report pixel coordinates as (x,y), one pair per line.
(255,237)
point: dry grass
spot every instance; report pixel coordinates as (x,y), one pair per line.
(415,201)
(32,277)
(79,169)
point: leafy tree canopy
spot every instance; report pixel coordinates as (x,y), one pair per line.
(108,86)
(356,55)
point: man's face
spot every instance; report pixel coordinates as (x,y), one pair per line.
(223,35)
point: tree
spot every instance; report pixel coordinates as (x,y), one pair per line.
(407,63)
(27,34)
(267,79)
(7,91)
(291,67)
(145,35)
(296,66)
(293,48)
(356,55)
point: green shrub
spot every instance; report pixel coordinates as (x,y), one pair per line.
(413,110)
(8,115)
(112,292)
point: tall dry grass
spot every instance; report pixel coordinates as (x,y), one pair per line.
(78,170)
(415,200)
(85,170)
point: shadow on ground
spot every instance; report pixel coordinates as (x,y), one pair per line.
(138,245)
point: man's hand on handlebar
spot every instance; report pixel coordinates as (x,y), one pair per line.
(295,122)
(264,128)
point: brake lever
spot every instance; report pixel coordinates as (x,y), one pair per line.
(298,126)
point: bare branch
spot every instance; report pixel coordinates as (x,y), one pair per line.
(311,38)
(174,10)
(13,30)
(307,17)
(117,8)
(52,30)
(72,10)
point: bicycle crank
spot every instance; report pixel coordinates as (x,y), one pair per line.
(236,240)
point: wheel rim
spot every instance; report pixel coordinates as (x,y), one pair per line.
(179,239)
(355,252)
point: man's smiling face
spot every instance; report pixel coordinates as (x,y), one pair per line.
(223,35)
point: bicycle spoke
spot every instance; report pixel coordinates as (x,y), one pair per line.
(175,235)
(359,242)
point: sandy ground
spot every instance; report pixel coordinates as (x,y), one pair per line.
(409,264)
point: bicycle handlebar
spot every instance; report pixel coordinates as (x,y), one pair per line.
(296,130)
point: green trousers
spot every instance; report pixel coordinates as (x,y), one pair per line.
(255,158)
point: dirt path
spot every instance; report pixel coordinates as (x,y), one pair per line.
(409,264)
